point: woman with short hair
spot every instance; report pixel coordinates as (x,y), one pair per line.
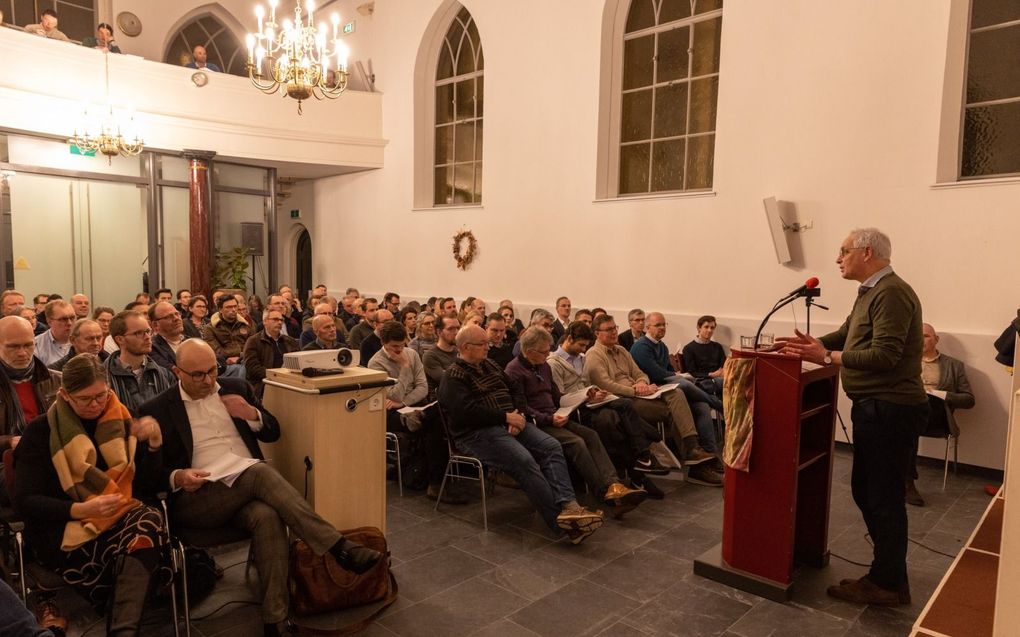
(78,467)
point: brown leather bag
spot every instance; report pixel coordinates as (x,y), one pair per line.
(319,585)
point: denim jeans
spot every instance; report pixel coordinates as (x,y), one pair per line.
(702,403)
(15,619)
(533,458)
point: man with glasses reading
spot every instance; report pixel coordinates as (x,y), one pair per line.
(211,430)
(54,343)
(86,338)
(166,321)
(133,375)
(485,409)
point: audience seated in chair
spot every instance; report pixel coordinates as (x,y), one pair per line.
(402,364)
(47,26)
(324,333)
(81,508)
(198,316)
(265,349)
(81,305)
(226,333)
(132,374)
(703,358)
(424,334)
(636,319)
(368,309)
(611,368)
(500,350)
(438,359)
(371,343)
(249,493)
(652,356)
(484,408)
(540,318)
(9,300)
(945,381)
(626,437)
(581,445)
(562,319)
(54,343)
(86,338)
(168,333)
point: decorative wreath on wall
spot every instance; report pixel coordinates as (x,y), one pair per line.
(464,259)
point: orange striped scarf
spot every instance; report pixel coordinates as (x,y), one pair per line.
(74,457)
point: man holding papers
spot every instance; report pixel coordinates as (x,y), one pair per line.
(610,367)
(212,462)
(652,356)
(581,445)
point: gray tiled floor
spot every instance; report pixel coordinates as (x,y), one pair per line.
(633,577)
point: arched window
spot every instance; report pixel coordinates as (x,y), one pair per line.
(458,121)
(660,129)
(221,45)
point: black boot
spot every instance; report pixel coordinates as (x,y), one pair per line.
(130,591)
(354,557)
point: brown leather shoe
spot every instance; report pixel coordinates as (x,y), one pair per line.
(48,615)
(618,495)
(903,592)
(864,591)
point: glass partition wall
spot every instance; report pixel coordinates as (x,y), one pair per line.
(110,230)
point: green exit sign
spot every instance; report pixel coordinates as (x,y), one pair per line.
(295,214)
(84,153)
(349,27)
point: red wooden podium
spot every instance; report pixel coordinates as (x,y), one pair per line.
(777,515)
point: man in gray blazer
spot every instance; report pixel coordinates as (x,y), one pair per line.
(945,381)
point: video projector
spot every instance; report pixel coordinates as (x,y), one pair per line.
(323,359)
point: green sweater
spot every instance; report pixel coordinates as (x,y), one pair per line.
(881,342)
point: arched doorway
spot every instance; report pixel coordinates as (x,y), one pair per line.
(303,264)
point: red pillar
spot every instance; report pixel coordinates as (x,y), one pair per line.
(200,221)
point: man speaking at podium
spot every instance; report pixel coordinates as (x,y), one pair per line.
(879,348)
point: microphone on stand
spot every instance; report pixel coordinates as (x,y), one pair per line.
(808,290)
(810,284)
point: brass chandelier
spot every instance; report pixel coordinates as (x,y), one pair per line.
(104,133)
(296,56)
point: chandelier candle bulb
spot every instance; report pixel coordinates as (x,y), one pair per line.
(259,13)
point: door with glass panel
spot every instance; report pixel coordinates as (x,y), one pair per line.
(76,235)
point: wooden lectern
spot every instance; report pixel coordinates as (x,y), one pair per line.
(777,514)
(332,447)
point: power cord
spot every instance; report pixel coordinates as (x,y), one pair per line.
(846,434)
(245,602)
(867,538)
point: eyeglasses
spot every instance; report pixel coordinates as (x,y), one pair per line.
(140,333)
(199,376)
(845,251)
(85,401)
(608,329)
(174,314)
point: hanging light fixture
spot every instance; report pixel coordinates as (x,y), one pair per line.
(295,55)
(103,132)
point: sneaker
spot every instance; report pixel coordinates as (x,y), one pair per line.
(48,615)
(617,495)
(648,463)
(864,591)
(651,488)
(704,476)
(578,522)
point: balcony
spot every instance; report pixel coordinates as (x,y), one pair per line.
(45,84)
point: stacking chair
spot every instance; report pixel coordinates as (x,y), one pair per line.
(457,460)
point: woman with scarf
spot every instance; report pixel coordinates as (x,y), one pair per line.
(77,467)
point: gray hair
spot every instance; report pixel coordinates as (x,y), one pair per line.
(540,315)
(82,371)
(533,337)
(872,238)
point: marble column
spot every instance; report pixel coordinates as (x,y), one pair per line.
(200,221)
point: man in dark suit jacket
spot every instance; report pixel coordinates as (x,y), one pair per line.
(213,464)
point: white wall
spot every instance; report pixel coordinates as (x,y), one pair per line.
(834,106)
